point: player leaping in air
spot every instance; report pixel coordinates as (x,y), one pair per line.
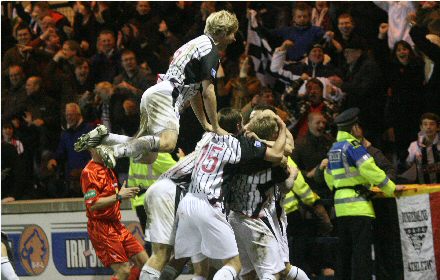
(190,76)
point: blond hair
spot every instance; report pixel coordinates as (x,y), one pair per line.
(221,23)
(73,105)
(263,124)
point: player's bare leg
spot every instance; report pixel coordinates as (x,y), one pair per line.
(160,256)
(168,141)
(249,276)
(122,271)
(294,273)
(230,269)
(160,261)
(201,267)
(173,269)
(140,259)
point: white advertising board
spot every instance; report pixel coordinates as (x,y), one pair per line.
(56,245)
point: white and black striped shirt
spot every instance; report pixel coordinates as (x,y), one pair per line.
(192,63)
(218,160)
(181,172)
(250,193)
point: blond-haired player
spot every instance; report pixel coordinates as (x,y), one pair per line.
(190,76)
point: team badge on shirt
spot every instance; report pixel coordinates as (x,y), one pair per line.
(257,144)
(213,73)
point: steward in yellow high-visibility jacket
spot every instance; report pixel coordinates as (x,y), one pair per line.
(301,190)
(144,175)
(350,173)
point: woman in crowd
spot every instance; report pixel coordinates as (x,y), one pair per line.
(405,96)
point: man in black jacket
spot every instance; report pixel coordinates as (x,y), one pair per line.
(365,89)
(427,40)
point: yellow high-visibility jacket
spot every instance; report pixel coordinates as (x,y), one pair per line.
(300,190)
(351,165)
(144,175)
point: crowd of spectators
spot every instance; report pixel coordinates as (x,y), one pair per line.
(381,57)
(61,76)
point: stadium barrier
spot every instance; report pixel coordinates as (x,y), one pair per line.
(49,237)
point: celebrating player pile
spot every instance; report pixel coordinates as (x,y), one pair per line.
(227,172)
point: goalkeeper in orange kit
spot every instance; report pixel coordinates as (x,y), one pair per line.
(114,244)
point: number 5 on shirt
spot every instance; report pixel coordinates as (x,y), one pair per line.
(209,160)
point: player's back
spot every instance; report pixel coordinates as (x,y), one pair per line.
(254,188)
(213,163)
(192,63)
(181,172)
(186,67)
(250,192)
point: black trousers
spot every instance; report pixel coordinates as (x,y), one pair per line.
(304,249)
(386,238)
(142,215)
(354,250)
